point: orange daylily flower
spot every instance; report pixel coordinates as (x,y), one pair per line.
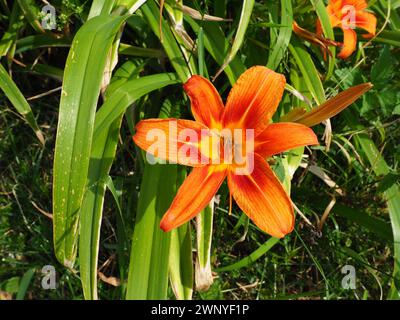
(347,15)
(250,105)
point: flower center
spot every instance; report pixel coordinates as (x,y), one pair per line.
(234,146)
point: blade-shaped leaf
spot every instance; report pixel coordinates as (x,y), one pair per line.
(252,257)
(31,13)
(9,37)
(148,267)
(180,262)
(328,32)
(279,48)
(204,228)
(216,44)
(19,102)
(130,91)
(247,9)
(100,7)
(81,86)
(174,53)
(101,158)
(180,257)
(308,70)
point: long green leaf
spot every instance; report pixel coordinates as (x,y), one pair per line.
(308,70)
(47,70)
(149,260)
(10,36)
(24,284)
(180,262)
(81,86)
(216,44)
(148,267)
(373,224)
(19,102)
(100,7)
(252,257)
(148,276)
(247,9)
(323,16)
(129,6)
(31,13)
(388,37)
(102,156)
(171,47)
(279,47)
(40,41)
(204,228)
(129,50)
(181,257)
(130,91)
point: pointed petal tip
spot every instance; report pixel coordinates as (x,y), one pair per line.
(263,199)
(191,79)
(206,103)
(286,229)
(165,225)
(334,105)
(282,231)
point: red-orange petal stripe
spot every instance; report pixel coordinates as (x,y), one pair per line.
(168,139)
(206,103)
(283,136)
(262,198)
(254,99)
(193,196)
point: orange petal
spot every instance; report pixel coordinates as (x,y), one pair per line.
(293,115)
(177,141)
(262,198)
(349,43)
(335,4)
(207,106)
(334,105)
(334,10)
(358,4)
(193,196)
(254,99)
(366,21)
(283,136)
